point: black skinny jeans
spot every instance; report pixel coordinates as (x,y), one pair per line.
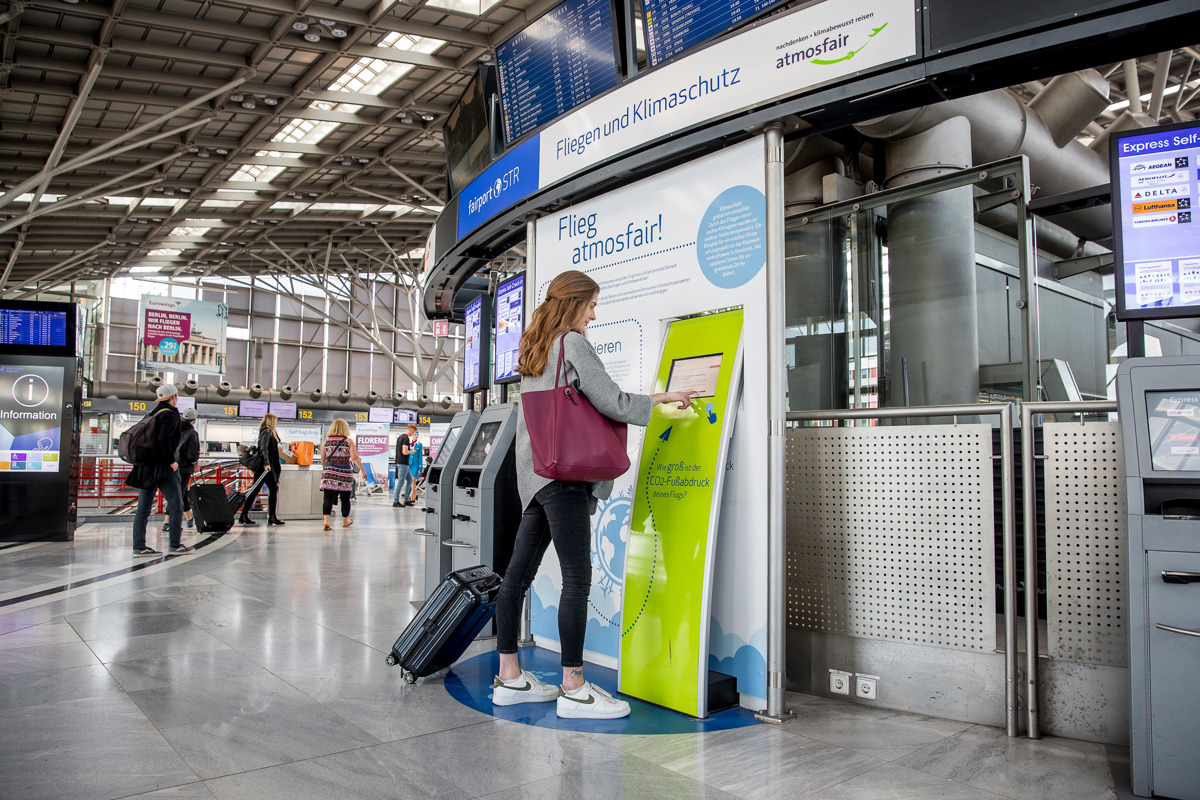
(559,514)
(272,484)
(331,498)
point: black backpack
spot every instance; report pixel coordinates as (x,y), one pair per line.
(136,445)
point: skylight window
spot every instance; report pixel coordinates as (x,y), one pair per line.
(187,230)
(165,251)
(474,7)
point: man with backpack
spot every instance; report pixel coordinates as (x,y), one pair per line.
(151,447)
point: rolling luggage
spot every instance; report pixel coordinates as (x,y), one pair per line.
(238,499)
(451,618)
(210,508)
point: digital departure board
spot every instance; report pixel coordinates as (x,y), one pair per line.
(282,410)
(33,328)
(1155,180)
(380,414)
(253,408)
(564,58)
(510,321)
(673,26)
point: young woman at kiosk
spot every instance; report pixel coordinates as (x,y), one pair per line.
(560,511)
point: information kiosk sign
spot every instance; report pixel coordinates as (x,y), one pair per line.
(477,358)
(510,323)
(1155,174)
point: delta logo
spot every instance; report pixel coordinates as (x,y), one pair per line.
(1165,191)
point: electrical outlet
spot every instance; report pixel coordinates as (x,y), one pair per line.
(866,688)
(839,682)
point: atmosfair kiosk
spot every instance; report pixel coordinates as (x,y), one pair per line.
(439,497)
(486,507)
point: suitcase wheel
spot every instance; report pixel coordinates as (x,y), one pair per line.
(391,660)
(407,676)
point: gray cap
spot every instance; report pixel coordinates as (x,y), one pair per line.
(189,414)
(166,390)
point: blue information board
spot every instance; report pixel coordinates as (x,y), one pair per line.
(564,58)
(673,26)
(474,326)
(510,322)
(1155,182)
(33,328)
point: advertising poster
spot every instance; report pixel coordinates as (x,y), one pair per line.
(175,334)
(31,408)
(372,441)
(689,241)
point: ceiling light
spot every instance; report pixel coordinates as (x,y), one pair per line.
(427,116)
(328,23)
(271,101)
(339,32)
(486,58)
(221,151)
(249,104)
(236,97)
(363,160)
(312,36)
(300,26)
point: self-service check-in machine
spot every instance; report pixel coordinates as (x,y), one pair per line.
(439,496)
(1159,401)
(487,507)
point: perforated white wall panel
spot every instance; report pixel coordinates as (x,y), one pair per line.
(890,534)
(1085,544)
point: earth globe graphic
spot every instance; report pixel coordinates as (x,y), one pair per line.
(610,534)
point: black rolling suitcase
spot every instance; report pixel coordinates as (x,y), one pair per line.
(210,508)
(238,499)
(451,618)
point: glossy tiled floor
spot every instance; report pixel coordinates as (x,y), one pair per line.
(254,669)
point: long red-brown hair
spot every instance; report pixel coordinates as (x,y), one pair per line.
(566,299)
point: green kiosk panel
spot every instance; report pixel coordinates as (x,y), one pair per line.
(669,560)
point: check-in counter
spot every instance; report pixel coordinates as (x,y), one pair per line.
(300,492)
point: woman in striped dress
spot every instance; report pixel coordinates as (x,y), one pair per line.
(337,477)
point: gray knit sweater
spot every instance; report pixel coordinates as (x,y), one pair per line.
(584,369)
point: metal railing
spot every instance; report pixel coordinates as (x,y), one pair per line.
(102,490)
(1029,520)
(1007,513)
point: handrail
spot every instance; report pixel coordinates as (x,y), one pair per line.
(1007,513)
(1029,525)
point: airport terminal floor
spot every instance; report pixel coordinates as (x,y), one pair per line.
(254,668)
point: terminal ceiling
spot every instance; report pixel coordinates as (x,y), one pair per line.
(224,138)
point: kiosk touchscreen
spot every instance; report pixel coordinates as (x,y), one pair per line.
(1159,401)
(663,653)
(487,508)
(439,496)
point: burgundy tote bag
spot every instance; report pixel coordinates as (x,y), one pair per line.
(572,441)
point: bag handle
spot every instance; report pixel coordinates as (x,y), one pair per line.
(562,349)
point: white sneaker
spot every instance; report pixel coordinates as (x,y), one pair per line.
(591,702)
(524,689)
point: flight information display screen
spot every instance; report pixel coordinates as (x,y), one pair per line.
(1154,190)
(564,58)
(282,410)
(405,415)
(253,408)
(31,418)
(474,326)
(33,328)
(380,415)
(673,26)
(510,321)
(1174,421)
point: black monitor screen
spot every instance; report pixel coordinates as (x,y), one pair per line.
(474,345)
(1174,419)
(467,134)
(510,321)
(1157,245)
(564,58)
(443,454)
(481,445)
(380,414)
(33,328)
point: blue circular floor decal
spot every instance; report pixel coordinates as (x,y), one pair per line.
(470,683)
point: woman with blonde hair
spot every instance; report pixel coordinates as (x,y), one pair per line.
(268,447)
(337,476)
(558,512)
